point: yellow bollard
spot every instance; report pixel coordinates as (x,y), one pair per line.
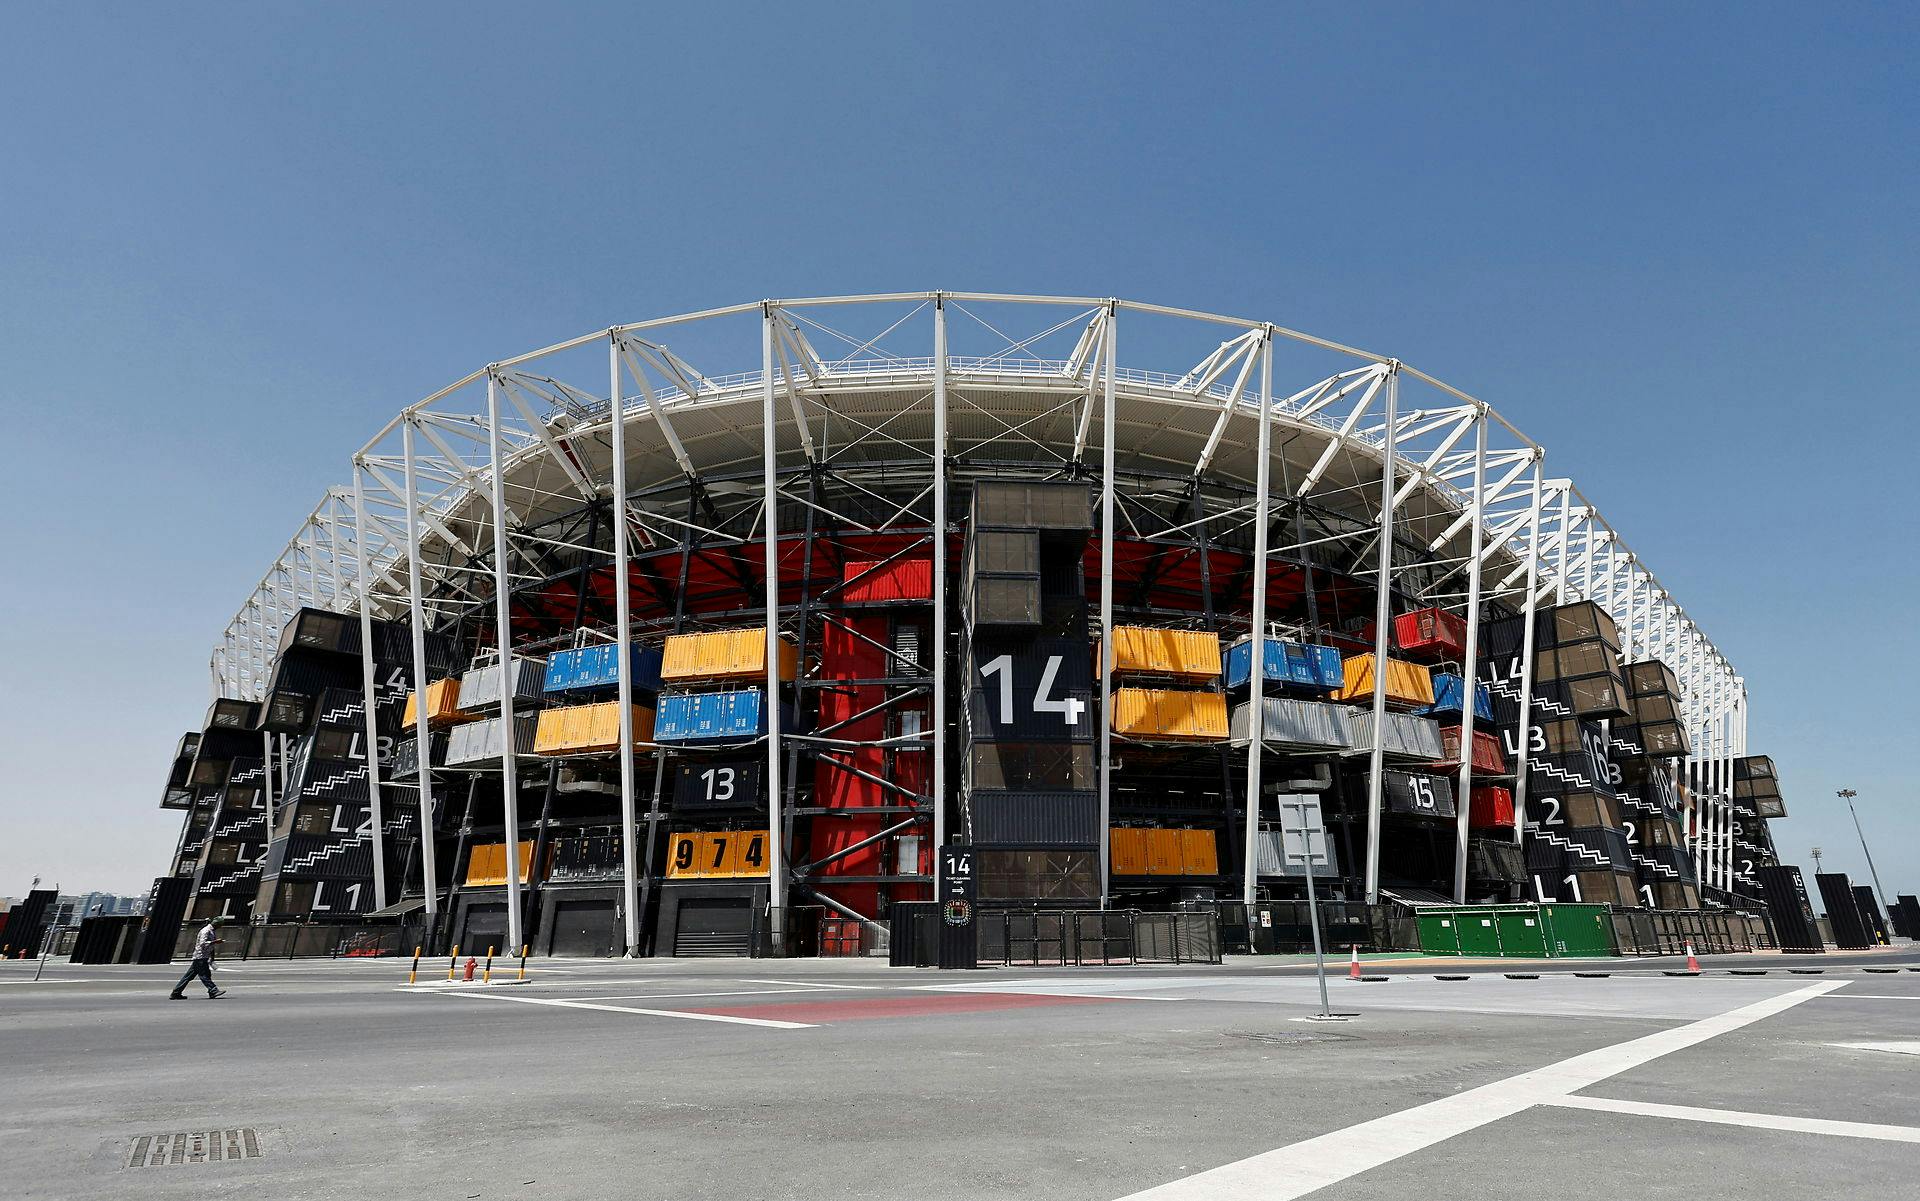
(451,962)
(486,973)
(523,961)
(415,969)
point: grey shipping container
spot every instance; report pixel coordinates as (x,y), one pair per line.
(1028,505)
(1288,723)
(480,687)
(1406,735)
(479,743)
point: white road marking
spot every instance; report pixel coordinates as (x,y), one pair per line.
(1895,1048)
(817,984)
(1874,996)
(658,1013)
(67,980)
(1737,1117)
(1312,1164)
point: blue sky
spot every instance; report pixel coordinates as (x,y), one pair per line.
(1679,250)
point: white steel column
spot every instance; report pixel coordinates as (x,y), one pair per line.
(1525,734)
(1382,638)
(776,803)
(266,775)
(623,652)
(1561,589)
(369,701)
(503,621)
(939,722)
(1469,668)
(1106,605)
(1257,647)
(417,619)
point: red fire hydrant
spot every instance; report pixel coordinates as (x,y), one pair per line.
(471,964)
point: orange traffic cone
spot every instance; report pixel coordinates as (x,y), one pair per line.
(1353,965)
(1693,965)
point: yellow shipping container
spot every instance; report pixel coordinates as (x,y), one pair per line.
(601,726)
(718,854)
(1163,852)
(443,704)
(723,655)
(1169,715)
(1407,683)
(1127,850)
(580,729)
(1199,853)
(487,863)
(1187,654)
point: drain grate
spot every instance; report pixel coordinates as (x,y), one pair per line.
(194,1146)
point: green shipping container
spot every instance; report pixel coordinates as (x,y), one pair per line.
(1439,931)
(1479,933)
(1577,930)
(1521,935)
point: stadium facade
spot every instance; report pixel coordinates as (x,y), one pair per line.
(792,594)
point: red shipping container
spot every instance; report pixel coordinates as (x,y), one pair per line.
(1486,751)
(901,579)
(1431,634)
(1492,808)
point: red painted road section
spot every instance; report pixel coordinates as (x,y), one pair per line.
(857,1009)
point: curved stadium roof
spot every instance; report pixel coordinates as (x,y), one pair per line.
(1026,379)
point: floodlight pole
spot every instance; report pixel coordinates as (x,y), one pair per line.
(1847,795)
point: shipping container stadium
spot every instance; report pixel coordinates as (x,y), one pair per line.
(703,634)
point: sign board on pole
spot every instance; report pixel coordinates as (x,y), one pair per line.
(959,943)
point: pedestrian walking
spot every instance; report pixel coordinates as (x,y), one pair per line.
(202,965)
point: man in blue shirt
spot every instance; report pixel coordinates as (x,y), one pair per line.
(202,965)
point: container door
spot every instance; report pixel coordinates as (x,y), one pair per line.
(1521,934)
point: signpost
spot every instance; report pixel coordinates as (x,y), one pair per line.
(1300,826)
(958,942)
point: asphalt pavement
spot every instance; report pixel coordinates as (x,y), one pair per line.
(848,1079)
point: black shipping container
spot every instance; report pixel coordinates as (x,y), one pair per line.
(718,784)
(1794,928)
(1416,795)
(1033,819)
(1843,911)
(27,922)
(160,928)
(1870,913)
(1031,766)
(995,716)
(1495,861)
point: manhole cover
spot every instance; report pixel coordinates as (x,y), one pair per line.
(1294,1038)
(194,1146)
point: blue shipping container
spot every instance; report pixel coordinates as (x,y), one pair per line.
(1303,663)
(1447,692)
(599,667)
(712,716)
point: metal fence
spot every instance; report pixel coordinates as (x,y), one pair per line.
(1078,938)
(1286,927)
(1671,931)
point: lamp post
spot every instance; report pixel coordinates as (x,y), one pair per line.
(1847,795)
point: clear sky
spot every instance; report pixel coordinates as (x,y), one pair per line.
(1681,251)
